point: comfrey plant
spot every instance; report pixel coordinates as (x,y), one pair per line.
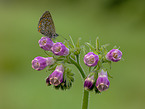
(60,54)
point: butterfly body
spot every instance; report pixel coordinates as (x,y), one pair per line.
(46,25)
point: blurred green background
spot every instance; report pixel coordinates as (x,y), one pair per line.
(117,22)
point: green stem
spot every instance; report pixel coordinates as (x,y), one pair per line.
(86,93)
(78,60)
(85,99)
(79,67)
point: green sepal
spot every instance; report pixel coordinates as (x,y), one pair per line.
(84,49)
(60,58)
(90,46)
(115,47)
(66,44)
(48,53)
(72,43)
(78,43)
(77,51)
(57,87)
(103,49)
(73,56)
(68,78)
(52,67)
(97,44)
(97,91)
(109,75)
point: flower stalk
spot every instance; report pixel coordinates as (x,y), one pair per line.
(86,93)
(85,99)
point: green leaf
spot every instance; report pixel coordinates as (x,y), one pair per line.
(110,75)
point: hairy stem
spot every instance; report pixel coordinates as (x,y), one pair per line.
(78,67)
(85,100)
(86,93)
(78,59)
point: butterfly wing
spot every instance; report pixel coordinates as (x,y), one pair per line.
(46,25)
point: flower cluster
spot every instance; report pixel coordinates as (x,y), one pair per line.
(62,77)
(59,74)
(101,83)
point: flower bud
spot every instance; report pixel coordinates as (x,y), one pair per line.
(91,59)
(45,43)
(56,77)
(60,49)
(114,55)
(102,82)
(89,81)
(39,63)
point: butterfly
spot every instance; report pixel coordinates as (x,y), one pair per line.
(46,25)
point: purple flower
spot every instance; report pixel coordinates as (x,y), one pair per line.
(56,77)
(114,55)
(45,43)
(39,63)
(102,82)
(60,49)
(89,81)
(91,59)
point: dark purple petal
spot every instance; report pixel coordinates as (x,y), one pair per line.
(89,81)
